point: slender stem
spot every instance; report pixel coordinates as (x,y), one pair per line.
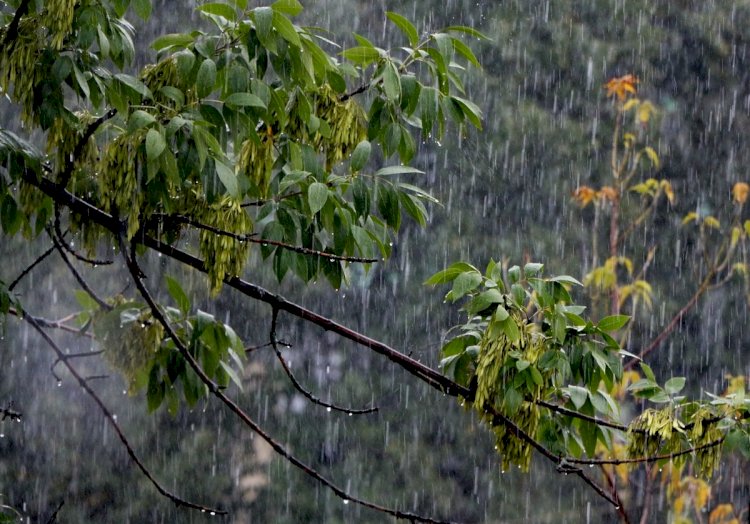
(298,386)
(31,266)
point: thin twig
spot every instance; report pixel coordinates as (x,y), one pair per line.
(78,150)
(31,266)
(252,238)
(77,275)
(136,272)
(53,517)
(110,418)
(645,460)
(298,386)
(55,324)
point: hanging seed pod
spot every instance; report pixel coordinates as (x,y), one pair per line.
(494,348)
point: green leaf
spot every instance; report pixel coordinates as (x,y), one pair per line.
(465,51)
(449,274)
(228,177)
(470,110)
(484,300)
(388,206)
(178,294)
(286,29)
(218,9)
(391,82)
(142,8)
(405,26)
(464,283)
(360,156)
(155,144)
(317,195)
(577,394)
(172,40)
(532,269)
(612,323)
(674,385)
(263,23)
(288,7)
(139,119)
(206,78)
(648,371)
(509,326)
(361,55)
(10,215)
(428,103)
(134,84)
(565,279)
(397,170)
(244,100)
(466,30)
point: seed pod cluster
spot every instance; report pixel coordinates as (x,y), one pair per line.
(223,254)
(18,71)
(58,18)
(493,379)
(130,347)
(165,73)
(62,139)
(651,430)
(119,179)
(703,432)
(256,161)
(346,122)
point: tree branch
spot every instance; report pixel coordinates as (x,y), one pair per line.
(31,266)
(77,275)
(298,386)
(252,238)
(135,273)
(131,452)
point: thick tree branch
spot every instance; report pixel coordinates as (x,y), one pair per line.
(135,272)
(298,386)
(105,411)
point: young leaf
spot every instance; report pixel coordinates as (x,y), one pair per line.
(612,323)
(317,194)
(178,294)
(405,26)
(206,79)
(360,155)
(155,144)
(674,385)
(449,274)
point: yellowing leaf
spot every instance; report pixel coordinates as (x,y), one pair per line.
(736,234)
(645,110)
(690,217)
(584,195)
(651,154)
(627,106)
(628,138)
(667,188)
(740,192)
(712,222)
(607,193)
(621,86)
(722,514)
